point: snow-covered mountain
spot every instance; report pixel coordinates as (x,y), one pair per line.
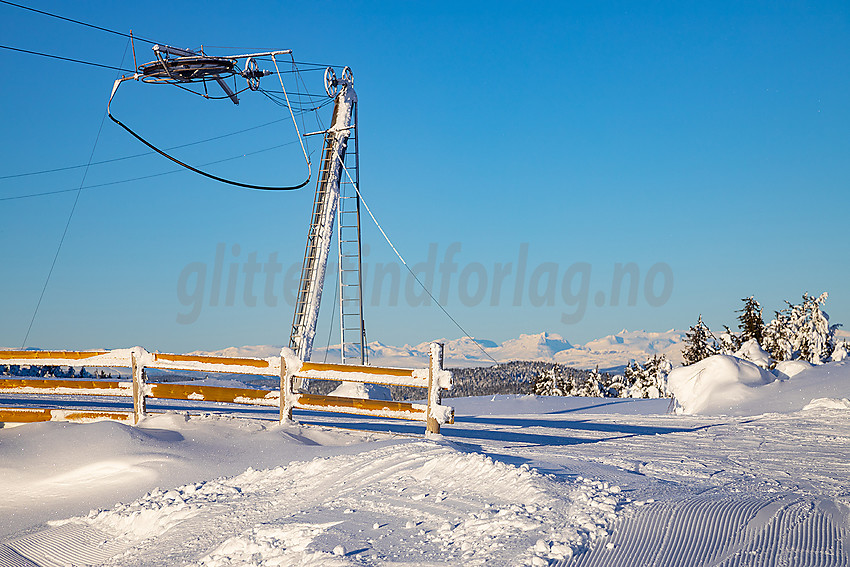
(617,350)
(607,352)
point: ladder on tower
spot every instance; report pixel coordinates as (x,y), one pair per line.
(311,275)
(352,326)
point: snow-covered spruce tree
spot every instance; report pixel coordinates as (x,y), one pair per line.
(801,331)
(699,343)
(776,338)
(730,343)
(568,385)
(631,376)
(614,386)
(592,386)
(652,382)
(815,337)
(750,321)
(555,381)
(841,352)
(545,383)
(647,380)
(595,385)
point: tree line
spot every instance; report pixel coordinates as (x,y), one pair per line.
(52,372)
(797,332)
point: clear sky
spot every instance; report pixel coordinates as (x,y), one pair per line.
(527,156)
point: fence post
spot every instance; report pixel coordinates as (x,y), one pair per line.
(436,365)
(285,392)
(138,370)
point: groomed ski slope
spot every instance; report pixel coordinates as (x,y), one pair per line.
(516,481)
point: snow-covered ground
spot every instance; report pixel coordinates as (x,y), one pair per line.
(516,480)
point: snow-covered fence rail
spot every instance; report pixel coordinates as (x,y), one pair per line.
(434,379)
(287,367)
(137,360)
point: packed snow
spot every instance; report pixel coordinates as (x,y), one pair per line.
(752,471)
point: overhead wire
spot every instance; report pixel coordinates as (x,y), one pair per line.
(205,173)
(143,177)
(271,97)
(405,264)
(180,146)
(67,223)
(61,58)
(79,22)
(300,99)
(309,66)
(294,122)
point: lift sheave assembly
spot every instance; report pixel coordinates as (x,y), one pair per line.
(182,67)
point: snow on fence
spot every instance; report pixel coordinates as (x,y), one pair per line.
(288,367)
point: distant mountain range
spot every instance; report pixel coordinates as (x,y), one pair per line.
(610,352)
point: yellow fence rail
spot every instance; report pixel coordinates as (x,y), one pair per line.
(290,370)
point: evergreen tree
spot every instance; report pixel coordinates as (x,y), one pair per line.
(777,336)
(596,384)
(654,377)
(568,385)
(545,383)
(841,352)
(592,386)
(750,321)
(801,331)
(647,380)
(815,337)
(631,375)
(730,343)
(699,343)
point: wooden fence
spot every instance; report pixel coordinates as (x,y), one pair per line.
(287,366)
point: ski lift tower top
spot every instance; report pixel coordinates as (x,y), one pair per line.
(337,193)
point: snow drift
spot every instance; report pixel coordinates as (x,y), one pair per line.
(728,385)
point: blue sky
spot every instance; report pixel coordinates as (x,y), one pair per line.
(700,149)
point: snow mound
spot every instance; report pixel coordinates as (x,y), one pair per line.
(362,391)
(828,403)
(715,383)
(726,385)
(790,368)
(752,351)
(277,545)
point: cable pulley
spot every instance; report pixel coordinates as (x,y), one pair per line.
(253,73)
(332,84)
